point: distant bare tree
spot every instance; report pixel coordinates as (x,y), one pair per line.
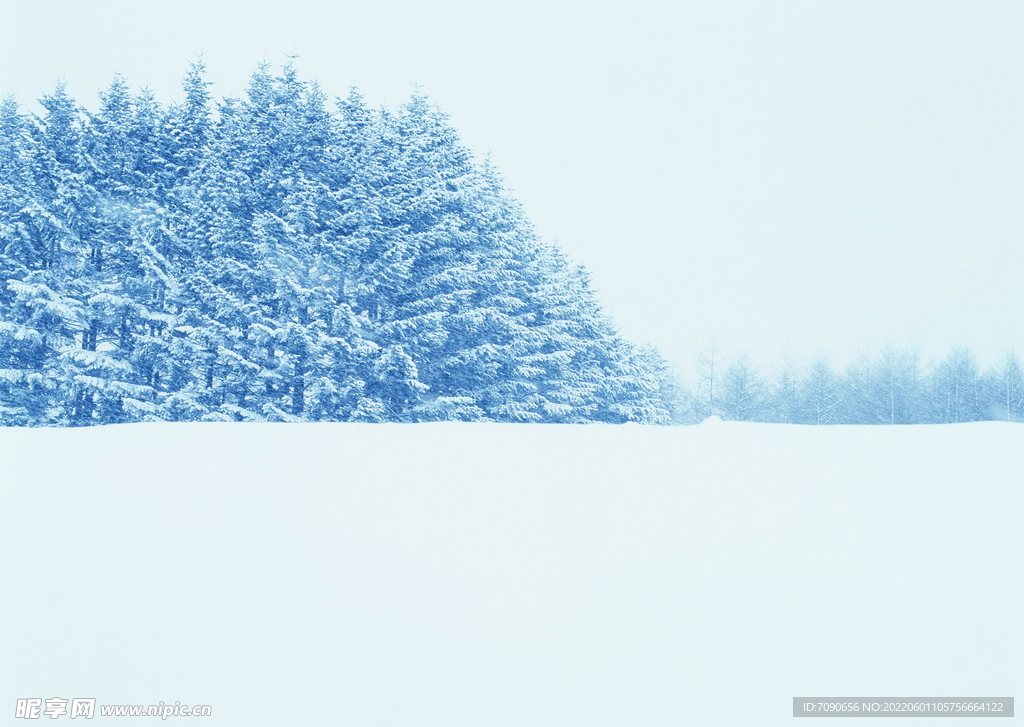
(785,394)
(709,366)
(743,396)
(1010,389)
(820,394)
(956,391)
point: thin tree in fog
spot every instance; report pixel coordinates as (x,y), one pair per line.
(743,395)
(784,401)
(956,388)
(1009,386)
(821,397)
(896,380)
(708,365)
(857,407)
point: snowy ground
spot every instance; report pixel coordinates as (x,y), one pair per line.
(509,575)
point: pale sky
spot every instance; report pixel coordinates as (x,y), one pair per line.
(827,177)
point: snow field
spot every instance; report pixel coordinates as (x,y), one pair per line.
(465,574)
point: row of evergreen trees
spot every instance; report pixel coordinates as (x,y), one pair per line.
(894,387)
(277,258)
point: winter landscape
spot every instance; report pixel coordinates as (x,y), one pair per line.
(308,418)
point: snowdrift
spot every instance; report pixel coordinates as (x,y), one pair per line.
(508,575)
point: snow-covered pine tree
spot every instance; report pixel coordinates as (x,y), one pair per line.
(277,261)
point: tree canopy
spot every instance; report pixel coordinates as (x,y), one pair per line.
(284,258)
